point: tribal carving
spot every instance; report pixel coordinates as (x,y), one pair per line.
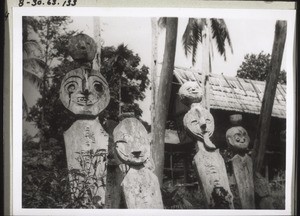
(140,185)
(84,92)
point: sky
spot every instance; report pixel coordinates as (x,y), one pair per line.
(247,36)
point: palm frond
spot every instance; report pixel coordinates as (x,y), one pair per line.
(192,36)
(33,78)
(220,34)
(187,37)
(197,29)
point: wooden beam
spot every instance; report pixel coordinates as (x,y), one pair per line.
(163,97)
(262,133)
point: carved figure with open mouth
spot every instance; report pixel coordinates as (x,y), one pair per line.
(84,92)
(140,185)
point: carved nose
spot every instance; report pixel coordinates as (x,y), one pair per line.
(86,92)
(203,126)
(82,46)
(136,153)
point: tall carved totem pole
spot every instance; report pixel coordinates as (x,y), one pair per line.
(208,162)
(238,142)
(85,93)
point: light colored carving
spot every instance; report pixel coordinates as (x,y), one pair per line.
(140,186)
(209,164)
(238,138)
(190,92)
(200,124)
(211,171)
(84,92)
(131,142)
(81,139)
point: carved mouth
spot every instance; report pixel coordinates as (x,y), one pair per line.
(83,101)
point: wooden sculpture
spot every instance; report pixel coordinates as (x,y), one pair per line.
(85,93)
(238,140)
(140,185)
(209,164)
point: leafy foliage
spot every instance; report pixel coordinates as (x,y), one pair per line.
(45,174)
(257,67)
(120,67)
(46,178)
(193,35)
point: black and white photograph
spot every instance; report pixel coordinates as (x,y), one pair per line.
(166,110)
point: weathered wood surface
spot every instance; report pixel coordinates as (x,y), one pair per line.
(82,48)
(262,191)
(140,186)
(141,189)
(238,138)
(131,142)
(211,171)
(84,92)
(81,139)
(243,173)
(190,92)
(163,96)
(199,122)
(264,121)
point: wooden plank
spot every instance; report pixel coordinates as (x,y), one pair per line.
(84,92)
(211,171)
(140,186)
(243,173)
(82,140)
(141,189)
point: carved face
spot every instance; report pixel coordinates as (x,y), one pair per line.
(84,92)
(238,138)
(82,47)
(131,142)
(198,121)
(190,92)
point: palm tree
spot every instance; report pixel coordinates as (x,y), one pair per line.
(33,65)
(204,31)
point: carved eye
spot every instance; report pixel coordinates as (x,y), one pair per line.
(71,87)
(237,139)
(98,87)
(195,121)
(208,120)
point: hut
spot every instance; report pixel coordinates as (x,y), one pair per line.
(227,96)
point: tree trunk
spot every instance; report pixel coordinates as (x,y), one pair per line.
(269,95)
(97,35)
(206,70)
(163,97)
(154,67)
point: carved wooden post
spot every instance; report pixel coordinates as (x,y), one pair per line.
(140,186)
(85,93)
(238,141)
(209,164)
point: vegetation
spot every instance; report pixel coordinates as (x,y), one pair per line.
(257,67)
(45,173)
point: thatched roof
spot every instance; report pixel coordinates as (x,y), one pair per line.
(236,94)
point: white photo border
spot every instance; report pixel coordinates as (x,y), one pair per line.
(17,83)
